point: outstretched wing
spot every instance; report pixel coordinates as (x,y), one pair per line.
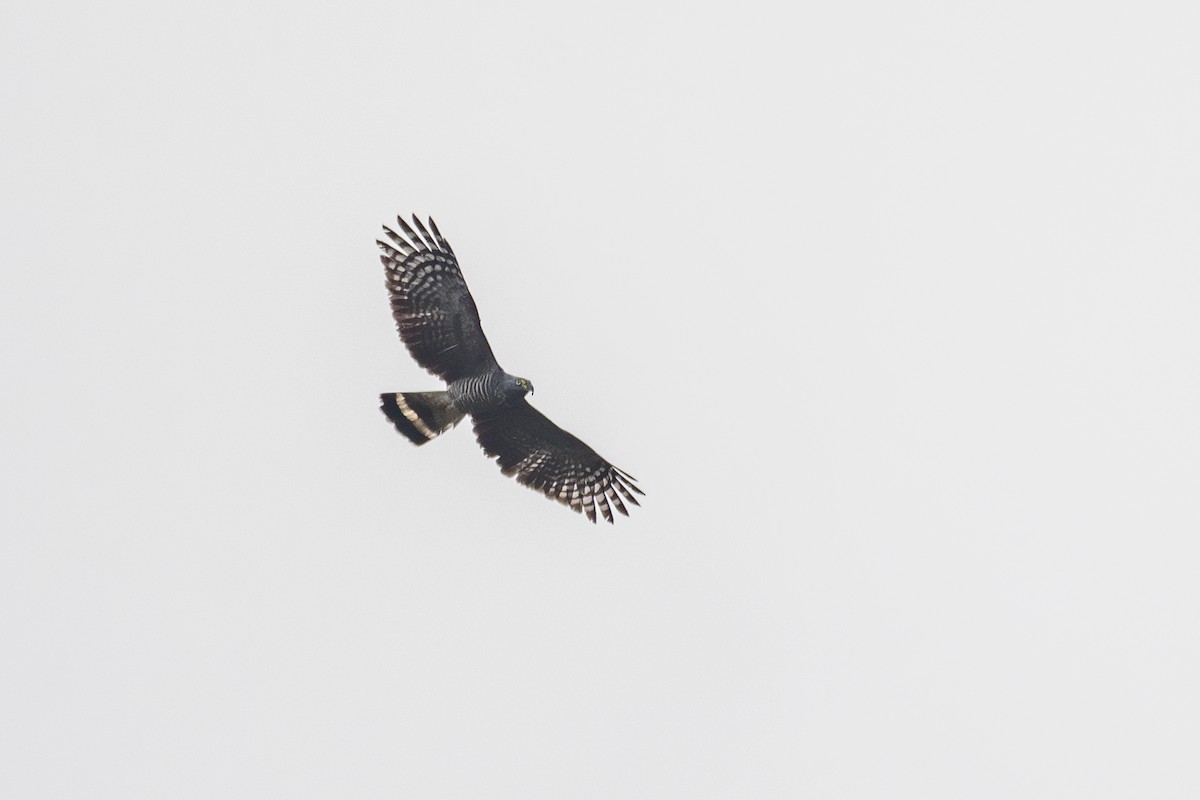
(545,457)
(431,304)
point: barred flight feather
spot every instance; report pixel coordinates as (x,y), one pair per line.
(434,312)
(544,457)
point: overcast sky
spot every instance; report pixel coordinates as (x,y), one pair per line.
(890,307)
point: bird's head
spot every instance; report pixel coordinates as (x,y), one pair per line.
(518,387)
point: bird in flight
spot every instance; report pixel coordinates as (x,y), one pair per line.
(438,322)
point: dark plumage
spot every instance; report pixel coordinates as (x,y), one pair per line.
(438,322)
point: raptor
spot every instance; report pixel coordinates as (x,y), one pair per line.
(439,324)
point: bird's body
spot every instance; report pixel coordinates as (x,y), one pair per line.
(439,323)
(484,392)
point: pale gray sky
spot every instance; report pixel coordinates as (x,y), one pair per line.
(891,308)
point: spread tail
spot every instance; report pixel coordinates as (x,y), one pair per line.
(421,416)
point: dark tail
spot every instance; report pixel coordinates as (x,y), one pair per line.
(421,416)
